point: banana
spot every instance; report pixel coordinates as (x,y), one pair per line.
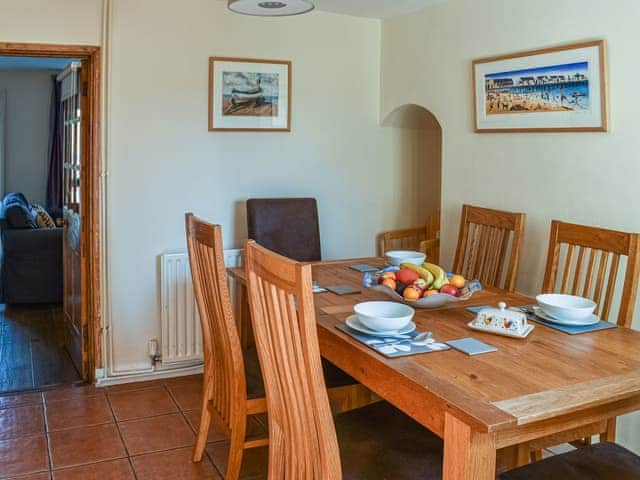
(423,272)
(438,273)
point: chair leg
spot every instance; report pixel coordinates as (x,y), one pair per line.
(203,431)
(536,455)
(236,452)
(609,435)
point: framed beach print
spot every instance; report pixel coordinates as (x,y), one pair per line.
(549,90)
(249,95)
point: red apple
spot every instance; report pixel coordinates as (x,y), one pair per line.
(450,290)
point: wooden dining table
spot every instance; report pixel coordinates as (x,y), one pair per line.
(543,386)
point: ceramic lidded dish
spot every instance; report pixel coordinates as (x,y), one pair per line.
(502,322)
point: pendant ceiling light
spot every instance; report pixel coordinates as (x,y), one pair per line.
(271,8)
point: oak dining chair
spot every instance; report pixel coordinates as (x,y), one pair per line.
(487,238)
(585,260)
(425,239)
(232,385)
(306,443)
(591,267)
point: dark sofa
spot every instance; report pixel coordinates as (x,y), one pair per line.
(31,262)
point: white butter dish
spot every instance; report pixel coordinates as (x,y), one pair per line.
(501,321)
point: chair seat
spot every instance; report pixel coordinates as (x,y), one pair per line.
(378,442)
(602,461)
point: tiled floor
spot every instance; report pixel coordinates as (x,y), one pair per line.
(134,431)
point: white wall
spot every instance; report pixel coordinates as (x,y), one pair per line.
(584,178)
(27,132)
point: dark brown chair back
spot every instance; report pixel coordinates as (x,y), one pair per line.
(302,436)
(288,226)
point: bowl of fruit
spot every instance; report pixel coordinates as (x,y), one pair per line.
(422,286)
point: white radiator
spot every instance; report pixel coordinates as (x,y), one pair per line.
(181,332)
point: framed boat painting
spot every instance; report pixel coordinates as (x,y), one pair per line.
(549,90)
(249,95)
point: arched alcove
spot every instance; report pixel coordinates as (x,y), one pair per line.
(416,145)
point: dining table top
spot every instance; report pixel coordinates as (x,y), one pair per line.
(515,392)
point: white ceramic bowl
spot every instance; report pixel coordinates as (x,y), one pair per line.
(396,257)
(566,307)
(384,316)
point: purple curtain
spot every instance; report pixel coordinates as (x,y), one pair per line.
(54,179)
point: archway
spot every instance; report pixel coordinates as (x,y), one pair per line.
(416,149)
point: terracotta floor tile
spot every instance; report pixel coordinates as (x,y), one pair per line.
(84,445)
(254,460)
(78,412)
(185,378)
(187,394)
(141,403)
(67,393)
(21,421)
(152,434)
(21,456)
(173,465)
(113,470)
(130,387)
(33,476)
(7,401)
(254,427)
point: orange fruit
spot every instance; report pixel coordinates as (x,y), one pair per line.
(428,293)
(458,281)
(391,275)
(389,282)
(411,293)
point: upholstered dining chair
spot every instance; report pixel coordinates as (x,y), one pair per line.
(485,238)
(290,227)
(372,442)
(232,388)
(590,259)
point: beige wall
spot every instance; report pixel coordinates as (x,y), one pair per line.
(163,162)
(27,131)
(584,178)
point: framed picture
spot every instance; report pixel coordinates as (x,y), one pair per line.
(549,90)
(249,95)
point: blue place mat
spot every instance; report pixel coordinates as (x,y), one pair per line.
(385,345)
(569,329)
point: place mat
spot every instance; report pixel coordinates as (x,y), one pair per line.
(394,347)
(569,329)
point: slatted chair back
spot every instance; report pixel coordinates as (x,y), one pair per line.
(486,237)
(224,373)
(591,266)
(415,238)
(302,436)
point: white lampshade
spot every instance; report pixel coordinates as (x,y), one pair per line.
(270,8)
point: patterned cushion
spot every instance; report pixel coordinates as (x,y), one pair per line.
(43,219)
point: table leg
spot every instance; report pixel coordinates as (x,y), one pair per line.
(468,455)
(243,318)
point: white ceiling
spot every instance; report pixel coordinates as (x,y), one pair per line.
(373,8)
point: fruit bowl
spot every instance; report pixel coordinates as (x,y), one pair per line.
(420,286)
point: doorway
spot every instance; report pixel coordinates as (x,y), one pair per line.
(416,149)
(79,170)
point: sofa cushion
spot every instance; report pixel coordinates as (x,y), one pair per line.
(18,212)
(43,219)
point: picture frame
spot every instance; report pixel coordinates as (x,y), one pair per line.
(249,95)
(557,89)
